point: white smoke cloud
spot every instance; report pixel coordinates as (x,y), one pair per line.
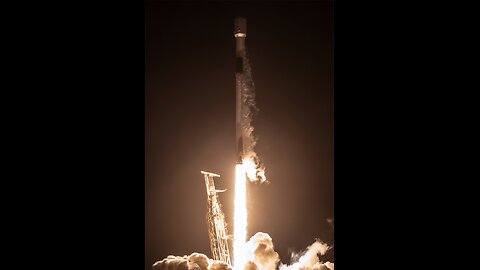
(218,265)
(260,256)
(260,252)
(309,260)
(196,261)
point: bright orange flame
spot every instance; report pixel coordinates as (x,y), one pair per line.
(240,218)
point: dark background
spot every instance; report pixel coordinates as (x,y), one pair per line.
(74,130)
(190,122)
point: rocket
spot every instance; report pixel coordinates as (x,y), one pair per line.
(240,33)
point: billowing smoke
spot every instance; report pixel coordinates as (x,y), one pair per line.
(260,256)
(309,260)
(260,253)
(249,109)
(196,261)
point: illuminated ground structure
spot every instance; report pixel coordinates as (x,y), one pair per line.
(217,229)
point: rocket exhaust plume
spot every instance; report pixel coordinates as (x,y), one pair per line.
(240,218)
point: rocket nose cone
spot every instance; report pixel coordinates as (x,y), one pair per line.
(240,26)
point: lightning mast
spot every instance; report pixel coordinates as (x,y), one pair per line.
(217,229)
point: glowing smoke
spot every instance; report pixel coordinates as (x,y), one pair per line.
(309,259)
(196,261)
(253,165)
(260,255)
(260,252)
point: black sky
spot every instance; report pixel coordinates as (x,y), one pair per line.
(190,121)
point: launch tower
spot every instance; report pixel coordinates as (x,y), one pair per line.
(217,229)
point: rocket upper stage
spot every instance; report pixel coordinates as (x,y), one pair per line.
(240,27)
(240,33)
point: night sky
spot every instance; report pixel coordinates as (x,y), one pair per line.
(190,122)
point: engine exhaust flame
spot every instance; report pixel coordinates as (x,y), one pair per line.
(255,171)
(240,218)
(250,169)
